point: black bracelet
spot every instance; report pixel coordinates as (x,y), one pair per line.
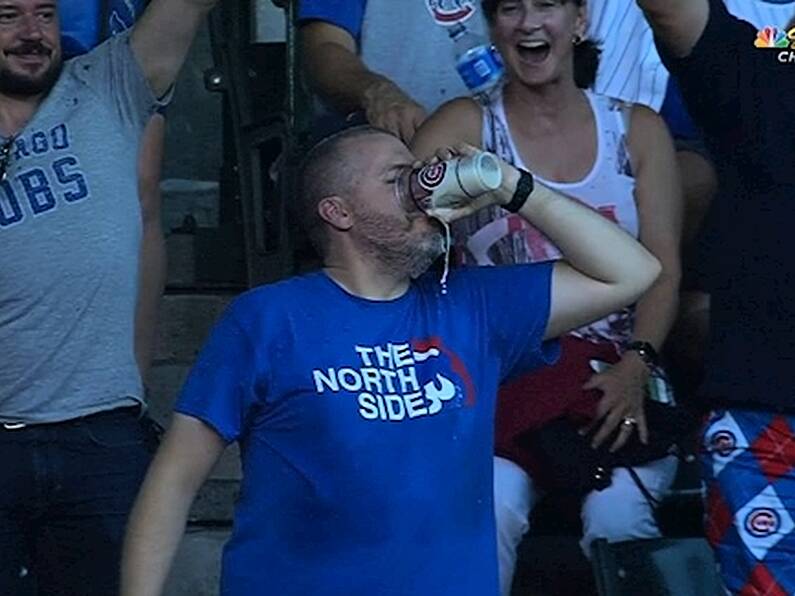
(646,352)
(524,187)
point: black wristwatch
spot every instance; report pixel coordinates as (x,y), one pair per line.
(646,352)
(524,187)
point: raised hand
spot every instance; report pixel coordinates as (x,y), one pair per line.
(387,106)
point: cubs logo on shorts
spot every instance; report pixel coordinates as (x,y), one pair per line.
(723,442)
(724,439)
(749,470)
(762,522)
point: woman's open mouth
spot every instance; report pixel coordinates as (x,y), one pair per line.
(533,52)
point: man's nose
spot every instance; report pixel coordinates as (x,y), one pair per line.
(30,27)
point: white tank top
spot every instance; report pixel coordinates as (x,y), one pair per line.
(495,237)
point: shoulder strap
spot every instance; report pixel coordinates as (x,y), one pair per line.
(498,141)
(653,503)
(623,114)
(624,111)
(490,143)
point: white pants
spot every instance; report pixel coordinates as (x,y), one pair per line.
(619,512)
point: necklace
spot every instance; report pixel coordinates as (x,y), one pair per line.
(5,157)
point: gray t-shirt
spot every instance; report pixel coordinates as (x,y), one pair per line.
(407,41)
(70,227)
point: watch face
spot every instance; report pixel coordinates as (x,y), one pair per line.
(645,350)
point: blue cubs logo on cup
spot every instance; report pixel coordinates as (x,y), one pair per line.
(762,522)
(431,176)
(723,442)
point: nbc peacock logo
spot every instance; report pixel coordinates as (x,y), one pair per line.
(773,37)
(777,39)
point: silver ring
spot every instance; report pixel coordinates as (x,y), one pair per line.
(628,422)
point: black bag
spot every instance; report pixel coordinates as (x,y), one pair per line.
(569,463)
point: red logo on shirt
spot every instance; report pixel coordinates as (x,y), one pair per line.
(449,12)
(431,176)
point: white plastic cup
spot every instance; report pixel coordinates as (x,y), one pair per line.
(449,184)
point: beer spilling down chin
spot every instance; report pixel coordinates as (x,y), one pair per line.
(443,240)
(448,189)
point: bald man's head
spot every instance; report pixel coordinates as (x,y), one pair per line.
(333,167)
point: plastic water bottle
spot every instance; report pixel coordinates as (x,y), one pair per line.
(477,61)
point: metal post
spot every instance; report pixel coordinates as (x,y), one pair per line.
(259,140)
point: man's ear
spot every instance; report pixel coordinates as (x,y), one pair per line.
(335,212)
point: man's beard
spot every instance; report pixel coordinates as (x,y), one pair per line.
(391,242)
(20,85)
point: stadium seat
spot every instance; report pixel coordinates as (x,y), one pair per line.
(660,567)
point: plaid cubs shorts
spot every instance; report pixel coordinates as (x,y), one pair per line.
(748,459)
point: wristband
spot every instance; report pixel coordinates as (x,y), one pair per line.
(524,187)
(646,352)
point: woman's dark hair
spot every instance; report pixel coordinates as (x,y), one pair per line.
(586,53)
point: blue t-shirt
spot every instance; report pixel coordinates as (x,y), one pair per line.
(346,14)
(740,96)
(675,114)
(366,430)
(87,23)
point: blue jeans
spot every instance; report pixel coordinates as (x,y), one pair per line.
(66,490)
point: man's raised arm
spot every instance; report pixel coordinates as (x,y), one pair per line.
(162,37)
(605,268)
(678,24)
(336,72)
